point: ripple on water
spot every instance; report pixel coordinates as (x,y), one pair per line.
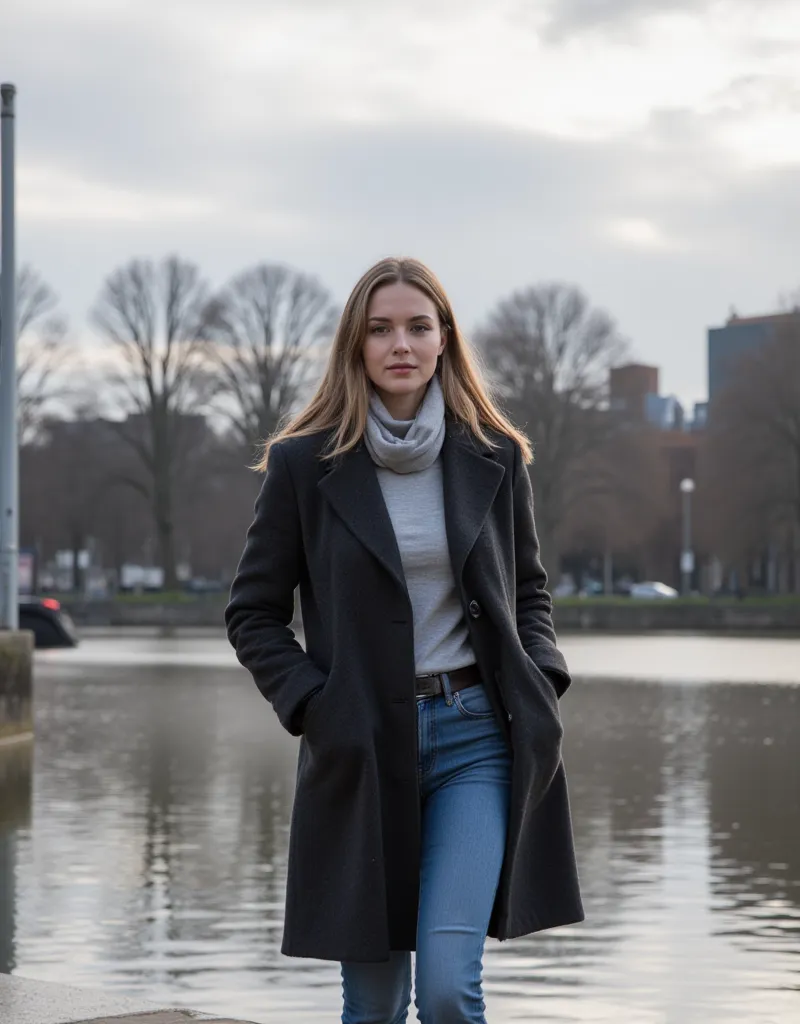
(150,836)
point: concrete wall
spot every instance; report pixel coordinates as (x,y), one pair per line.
(600,616)
(203,611)
(16,682)
(671,616)
(16,786)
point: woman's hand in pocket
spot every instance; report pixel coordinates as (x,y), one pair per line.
(309,705)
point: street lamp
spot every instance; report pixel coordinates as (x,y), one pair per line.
(687,555)
(9,455)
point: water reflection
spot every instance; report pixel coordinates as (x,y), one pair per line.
(156,859)
(754,800)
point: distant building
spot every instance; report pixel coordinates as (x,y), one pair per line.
(629,387)
(679,449)
(634,395)
(664,412)
(700,417)
(740,336)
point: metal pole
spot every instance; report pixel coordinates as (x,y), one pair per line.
(687,541)
(608,572)
(9,471)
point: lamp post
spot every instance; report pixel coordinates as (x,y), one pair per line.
(687,555)
(9,529)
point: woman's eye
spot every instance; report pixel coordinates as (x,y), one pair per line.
(384,329)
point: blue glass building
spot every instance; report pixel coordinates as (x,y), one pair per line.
(739,336)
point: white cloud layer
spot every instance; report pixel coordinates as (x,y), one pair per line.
(648,150)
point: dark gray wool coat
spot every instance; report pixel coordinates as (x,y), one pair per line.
(354,847)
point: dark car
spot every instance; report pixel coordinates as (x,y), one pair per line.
(51,625)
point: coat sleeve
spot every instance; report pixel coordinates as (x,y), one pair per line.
(534,605)
(261,604)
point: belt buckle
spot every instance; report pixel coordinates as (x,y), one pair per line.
(431,675)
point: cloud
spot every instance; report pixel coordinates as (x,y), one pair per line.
(638,233)
(661,176)
(761,26)
(54,196)
(569,17)
(656,227)
(118,94)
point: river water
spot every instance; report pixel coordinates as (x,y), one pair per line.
(143,837)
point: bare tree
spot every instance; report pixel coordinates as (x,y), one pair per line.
(268,325)
(154,317)
(625,501)
(72,491)
(549,353)
(75,493)
(43,351)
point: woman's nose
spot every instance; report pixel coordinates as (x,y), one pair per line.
(400,340)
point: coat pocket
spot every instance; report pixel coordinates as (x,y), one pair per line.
(312,706)
(545,685)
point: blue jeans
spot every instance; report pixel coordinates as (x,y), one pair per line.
(465,782)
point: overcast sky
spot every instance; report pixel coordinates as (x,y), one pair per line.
(646,150)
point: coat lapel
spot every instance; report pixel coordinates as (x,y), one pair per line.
(351,486)
(471,478)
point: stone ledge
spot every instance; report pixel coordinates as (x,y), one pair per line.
(16,682)
(25,1001)
(159,1017)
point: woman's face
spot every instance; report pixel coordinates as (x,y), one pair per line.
(404,340)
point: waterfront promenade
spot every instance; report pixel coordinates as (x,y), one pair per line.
(27,1001)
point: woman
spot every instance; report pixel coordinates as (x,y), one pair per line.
(431,803)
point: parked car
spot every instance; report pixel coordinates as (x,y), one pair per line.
(51,625)
(652,590)
(565,587)
(201,585)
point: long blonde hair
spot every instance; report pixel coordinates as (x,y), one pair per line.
(342,399)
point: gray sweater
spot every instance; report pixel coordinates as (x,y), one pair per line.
(415,502)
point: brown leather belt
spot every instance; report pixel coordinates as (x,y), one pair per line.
(460,678)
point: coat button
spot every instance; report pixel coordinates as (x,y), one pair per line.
(474,609)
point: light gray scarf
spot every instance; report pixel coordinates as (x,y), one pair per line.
(407,446)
